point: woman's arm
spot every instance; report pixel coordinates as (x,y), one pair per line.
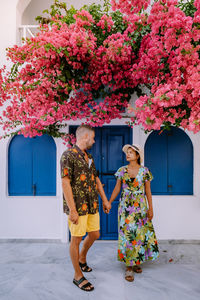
(115,191)
(149,199)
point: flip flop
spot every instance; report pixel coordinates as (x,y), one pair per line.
(84,267)
(137,269)
(84,287)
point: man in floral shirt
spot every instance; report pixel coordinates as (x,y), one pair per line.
(81,186)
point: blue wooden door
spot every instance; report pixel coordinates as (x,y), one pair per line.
(108,156)
(113,139)
(32,166)
(169,155)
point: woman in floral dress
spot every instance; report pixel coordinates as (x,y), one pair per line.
(137,240)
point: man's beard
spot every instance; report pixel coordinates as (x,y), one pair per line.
(89,147)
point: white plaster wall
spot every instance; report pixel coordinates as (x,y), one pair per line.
(36,7)
(8,26)
(20,8)
(176,217)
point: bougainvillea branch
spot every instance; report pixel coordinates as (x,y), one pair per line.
(85,64)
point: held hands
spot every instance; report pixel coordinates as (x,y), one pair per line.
(106,207)
(150,214)
(73,216)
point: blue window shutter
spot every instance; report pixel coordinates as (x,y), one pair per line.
(169,156)
(156,161)
(20,166)
(180,163)
(44,165)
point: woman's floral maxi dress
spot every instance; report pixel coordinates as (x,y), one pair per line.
(137,239)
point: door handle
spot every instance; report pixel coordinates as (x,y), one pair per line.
(34,189)
(170,186)
(107,173)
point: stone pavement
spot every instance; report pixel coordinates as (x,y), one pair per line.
(35,270)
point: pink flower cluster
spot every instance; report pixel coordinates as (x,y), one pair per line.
(69,140)
(130,6)
(112,65)
(83,18)
(197,13)
(106,22)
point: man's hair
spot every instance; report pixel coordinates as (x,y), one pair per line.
(82,129)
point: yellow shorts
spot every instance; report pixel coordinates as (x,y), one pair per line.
(85,224)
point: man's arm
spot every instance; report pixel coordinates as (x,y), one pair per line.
(102,194)
(67,190)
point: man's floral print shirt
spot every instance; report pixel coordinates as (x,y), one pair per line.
(83,181)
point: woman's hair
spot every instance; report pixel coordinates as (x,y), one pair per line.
(82,129)
(138,160)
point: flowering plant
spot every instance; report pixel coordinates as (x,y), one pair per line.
(86,64)
(169,65)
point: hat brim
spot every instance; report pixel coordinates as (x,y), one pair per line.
(127,146)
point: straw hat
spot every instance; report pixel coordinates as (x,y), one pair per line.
(136,148)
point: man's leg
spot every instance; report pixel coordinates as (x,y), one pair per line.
(87,243)
(93,226)
(74,253)
(77,233)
